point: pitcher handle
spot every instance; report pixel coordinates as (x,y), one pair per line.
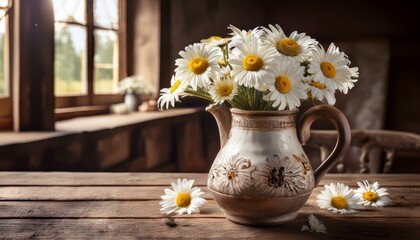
(343,140)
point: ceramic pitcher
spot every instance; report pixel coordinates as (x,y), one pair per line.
(261,175)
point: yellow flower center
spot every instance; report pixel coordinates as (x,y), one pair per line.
(339,202)
(198,65)
(225,90)
(370,196)
(288,47)
(183,199)
(319,85)
(328,69)
(283,84)
(175,86)
(252,63)
(215,38)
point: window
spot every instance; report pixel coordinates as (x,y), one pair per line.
(87,63)
(4,84)
(5,98)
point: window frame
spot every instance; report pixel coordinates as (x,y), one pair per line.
(98,99)
(6,101)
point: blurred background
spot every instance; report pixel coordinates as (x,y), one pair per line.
(72,55)
(380,38)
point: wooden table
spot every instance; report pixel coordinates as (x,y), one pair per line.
(126,206)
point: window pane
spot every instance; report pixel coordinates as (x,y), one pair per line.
(70,10)
(105,13)
(106,62)
(69,61)
(3,82)
(3,3)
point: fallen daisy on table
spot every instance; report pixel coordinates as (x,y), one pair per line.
(371,195)
(184,198)
(338,198)
(314,225)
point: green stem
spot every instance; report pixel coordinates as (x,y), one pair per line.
(198,94)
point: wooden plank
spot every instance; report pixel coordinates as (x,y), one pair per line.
(98,123)
(83,111)
(388,180)
(164,179)
(112,121)
(94,209)
(365,228)
(150,209)
(95,178)
(11,138)
(81,193)
(59,193)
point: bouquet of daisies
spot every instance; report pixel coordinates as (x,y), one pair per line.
(135,84)
(260,69)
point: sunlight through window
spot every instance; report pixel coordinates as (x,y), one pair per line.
(4,83)
(72,31)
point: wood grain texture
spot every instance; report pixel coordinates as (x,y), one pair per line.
(58,205)
(105,193)
(33,80)
(150,209)
(164,179)
(375,228)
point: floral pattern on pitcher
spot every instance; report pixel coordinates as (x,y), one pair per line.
(305,163)
(281,177)
(233,176)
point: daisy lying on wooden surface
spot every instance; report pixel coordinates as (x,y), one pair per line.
(342,199)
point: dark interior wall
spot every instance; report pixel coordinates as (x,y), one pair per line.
(394,24)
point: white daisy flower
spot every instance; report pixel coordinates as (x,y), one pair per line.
(215,41)
(354,75)
(253,64)
(331,68)
(223,89)
(372,195)
(338,198)
(286,88)
(197,65)
(321,92)
(314,225)
(240,36)
(182,199)
(172,94)
(296,46)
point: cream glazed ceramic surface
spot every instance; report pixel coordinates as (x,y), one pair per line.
(268,163)
(261,175)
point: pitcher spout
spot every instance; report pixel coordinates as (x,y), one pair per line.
(224,121)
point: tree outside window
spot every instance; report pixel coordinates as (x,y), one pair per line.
(4,81)
(86,47)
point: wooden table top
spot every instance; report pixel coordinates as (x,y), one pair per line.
(69,205)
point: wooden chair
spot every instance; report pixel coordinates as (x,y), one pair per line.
(367,140)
